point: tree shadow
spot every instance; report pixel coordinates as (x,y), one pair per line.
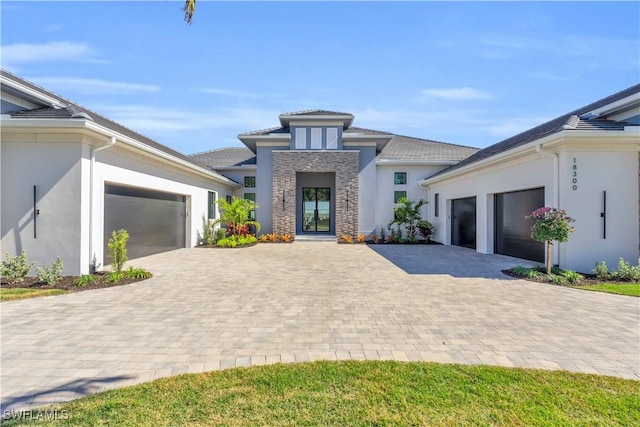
(74,390)
(448,260)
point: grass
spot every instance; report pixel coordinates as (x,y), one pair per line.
(631,289)
(8,294)
(365,393)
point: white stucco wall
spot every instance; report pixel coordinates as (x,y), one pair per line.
(121,166)
(51,163)
(386,189)
(601,167)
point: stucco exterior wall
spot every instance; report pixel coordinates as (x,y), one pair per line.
(123,167)
(53,164)
(385,189)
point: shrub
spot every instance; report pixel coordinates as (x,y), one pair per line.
(236,240)
(347,239)
(551,224)
(52,275)
(273,237)
(263,238)
(519,270)
(374,238)
(425,229)
(557,279)
(286,238)
(84,280)
(532,273)
(407,214)
(361,238)
(627,272)
(16,268)
(118,249)
(383,237)
(114,277)
(572,276)
(136,273)
(209,231)
(601,271)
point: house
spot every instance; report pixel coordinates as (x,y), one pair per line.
(318,175)
(69,177)
(585,162)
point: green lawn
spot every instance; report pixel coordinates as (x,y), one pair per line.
(8,294)
(366,393)
(632,289)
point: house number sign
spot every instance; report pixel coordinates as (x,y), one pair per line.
(574,175)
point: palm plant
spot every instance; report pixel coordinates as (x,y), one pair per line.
(407,214)
(235,215)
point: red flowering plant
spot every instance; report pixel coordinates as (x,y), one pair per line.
(551,224)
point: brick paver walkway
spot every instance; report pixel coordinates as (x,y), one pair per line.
(209,309)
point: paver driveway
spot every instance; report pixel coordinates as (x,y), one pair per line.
(208,309)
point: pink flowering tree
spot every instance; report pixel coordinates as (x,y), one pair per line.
(551,224)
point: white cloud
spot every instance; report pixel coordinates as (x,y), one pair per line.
(462,93)
(232,93)
(93,86)
(21,53)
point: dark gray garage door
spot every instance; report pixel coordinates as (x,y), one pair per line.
(155,220)
(463,222)
(512,230)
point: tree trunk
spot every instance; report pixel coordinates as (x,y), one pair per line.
(549,257)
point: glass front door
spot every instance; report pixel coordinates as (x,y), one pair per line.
(316,210)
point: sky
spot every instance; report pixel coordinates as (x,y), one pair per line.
(469,73)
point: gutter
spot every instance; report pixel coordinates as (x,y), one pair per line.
(112,141)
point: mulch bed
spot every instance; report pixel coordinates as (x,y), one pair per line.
(67,283)
(589,279)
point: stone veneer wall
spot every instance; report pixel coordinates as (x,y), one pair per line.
(345,165)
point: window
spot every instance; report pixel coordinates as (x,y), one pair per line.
(436,204)
(252,212)
(250,181)
(316,138)
(397,195)
(212,205)
(399,178)
(229,199)
(301,138)
(332,138)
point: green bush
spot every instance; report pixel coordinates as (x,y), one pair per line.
(572,276)
(136,273)
(532,273)
(52,275)
(236,240)
(557,278)
(114,277)
(84,280)
(209,231)
(601,271)
(118,249)
(627,272)
(519,270)
(16,268)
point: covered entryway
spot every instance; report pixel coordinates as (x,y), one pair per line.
(316,210)
(155,220)
(512,230)
(463,222)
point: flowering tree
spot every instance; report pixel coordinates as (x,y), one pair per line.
(551,224)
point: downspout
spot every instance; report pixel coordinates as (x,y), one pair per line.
(555,184)
(94,150)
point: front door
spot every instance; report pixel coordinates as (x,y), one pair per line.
(316,210)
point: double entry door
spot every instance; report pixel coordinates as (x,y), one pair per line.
(316,209)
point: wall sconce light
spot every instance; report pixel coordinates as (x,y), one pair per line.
(283,200)
(347,200)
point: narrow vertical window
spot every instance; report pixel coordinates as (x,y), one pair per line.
(211,203)
(436,204)
(399,178)
(252,212)
(332,138)
(301,138)
(316,138)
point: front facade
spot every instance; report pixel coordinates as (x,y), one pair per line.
(317,175)
(70,177)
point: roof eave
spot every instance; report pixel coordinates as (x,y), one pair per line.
(251,141)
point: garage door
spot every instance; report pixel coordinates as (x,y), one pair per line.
(512,230)
(154,220)
(463,222)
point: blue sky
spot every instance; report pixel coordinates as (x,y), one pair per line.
(470,73)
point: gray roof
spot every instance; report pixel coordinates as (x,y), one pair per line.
(72,111)
(232,156)
(276,129)
(316,113)
(567,121)
(405,148)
